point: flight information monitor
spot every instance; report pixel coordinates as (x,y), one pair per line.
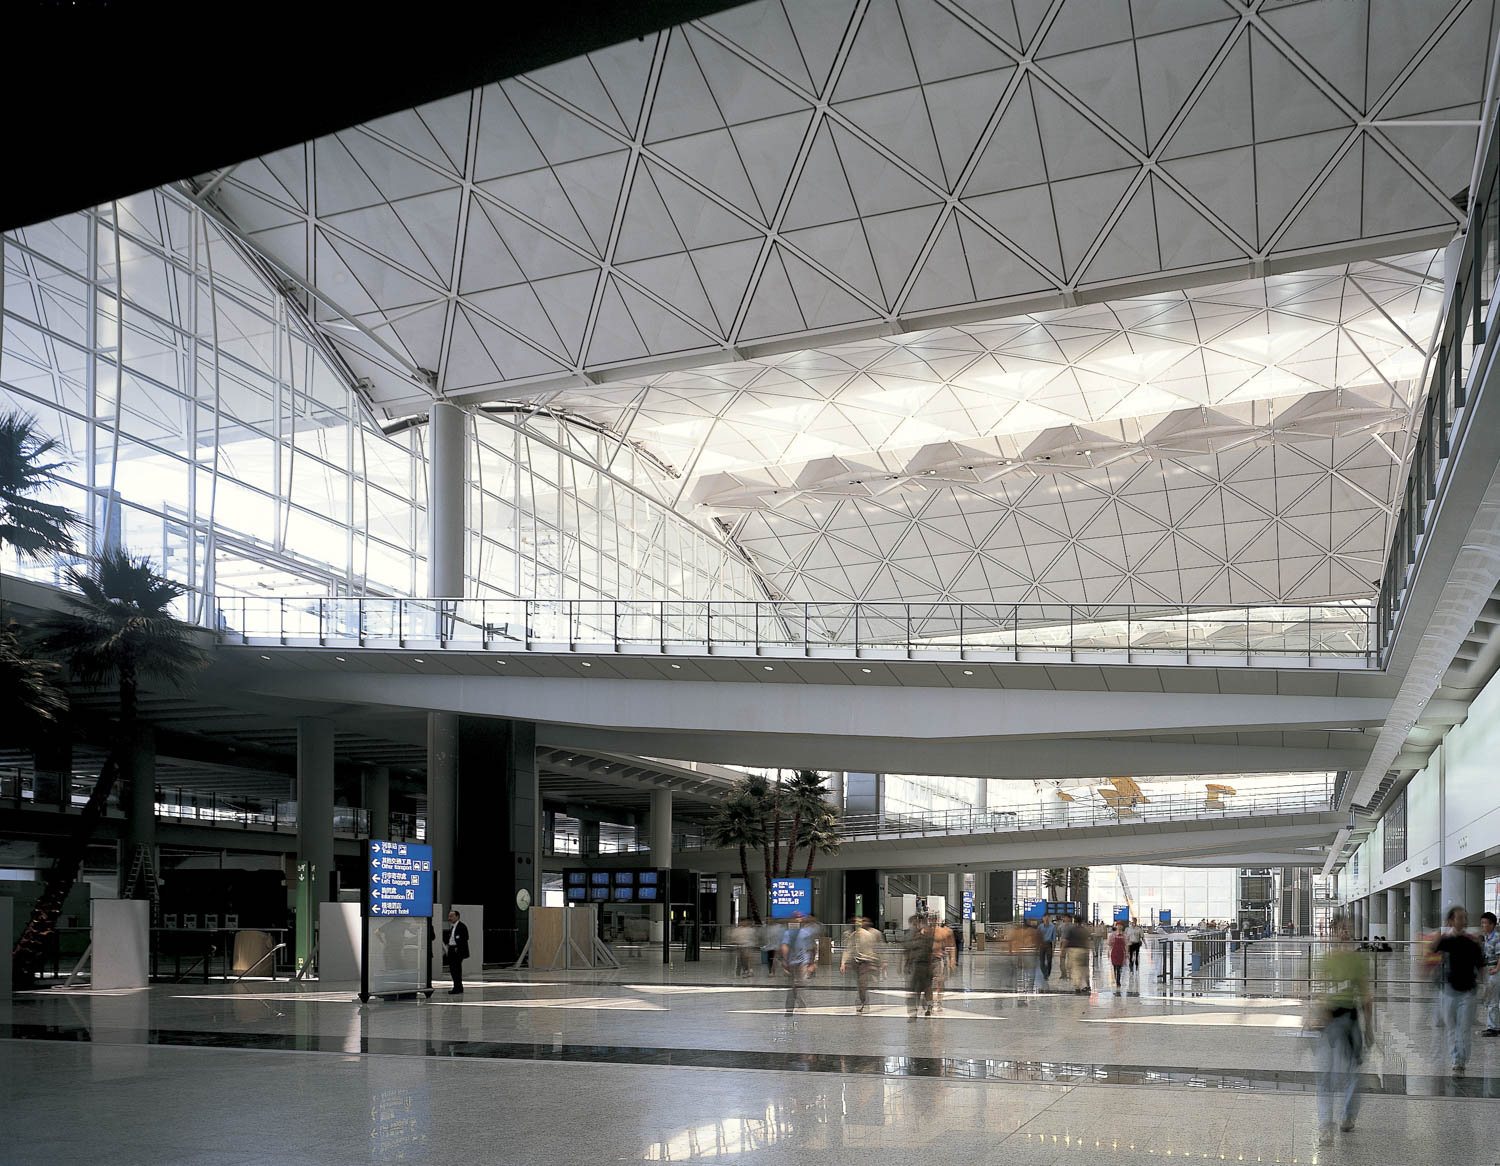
(624,885)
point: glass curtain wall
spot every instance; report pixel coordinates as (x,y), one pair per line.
(206,426)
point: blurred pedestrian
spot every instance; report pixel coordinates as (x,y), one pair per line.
(1463,964)
(1489,941)
(746,941)
(944,958)
(1118,953)
(799,956)
(1077,944)
(863,951)
(1344,1018)
(917,964)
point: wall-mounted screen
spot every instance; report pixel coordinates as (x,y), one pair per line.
(648,878)
(646,893)
(600,878)
(577,894)
(624,894)
(624,878)
(578,878)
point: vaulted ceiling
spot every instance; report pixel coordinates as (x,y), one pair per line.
(1001,299)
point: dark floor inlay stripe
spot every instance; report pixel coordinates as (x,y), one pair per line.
(955,1068)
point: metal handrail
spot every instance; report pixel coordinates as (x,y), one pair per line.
(1465,339)
(1069,815)
(1334,634)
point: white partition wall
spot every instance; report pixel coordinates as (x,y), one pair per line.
(338,942)
(121,957)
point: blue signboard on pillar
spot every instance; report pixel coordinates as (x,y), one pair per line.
(1122,914)
(968,905)
(789,896)
(1034,909)
(400,878)
(1165,917)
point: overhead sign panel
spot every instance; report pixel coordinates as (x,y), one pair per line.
(789,896)
(400,878)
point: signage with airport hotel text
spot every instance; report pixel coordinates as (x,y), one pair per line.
(400,879)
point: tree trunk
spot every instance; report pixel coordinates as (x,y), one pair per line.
(776,827)
(31,949)
(749,886)
(812,853)
(791,843)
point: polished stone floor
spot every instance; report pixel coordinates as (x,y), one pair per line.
(690,1063)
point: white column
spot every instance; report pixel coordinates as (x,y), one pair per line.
(1454,888)
(447,465)
(1419,890)
(442,797)
(1394,927)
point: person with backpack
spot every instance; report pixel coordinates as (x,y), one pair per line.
(1119,947)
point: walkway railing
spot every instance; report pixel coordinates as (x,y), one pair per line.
(1083,811)
(1327,634)
(1464,342)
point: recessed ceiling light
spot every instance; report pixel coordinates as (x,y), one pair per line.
(866,671)
(676,665)
(265,657)
(499,661)
(340,659)
(968,672)
(586,664)
(767,667)
(417,660)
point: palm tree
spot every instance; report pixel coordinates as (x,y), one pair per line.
(821,836)
(1055,878)
(28,686)
(738,822)
(28,465)
(757,791)
(806,796)
(119,627)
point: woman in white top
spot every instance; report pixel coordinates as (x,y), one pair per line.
(1133,938)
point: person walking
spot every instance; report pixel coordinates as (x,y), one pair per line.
(1463,964)
(457,944)
(1044,951)
(799,956)
(1077,944)
(863,951)
(1344,1020)
(1118,953)
(746,941)
(1134,936)
(944,957)
(1489,942)
(917,964)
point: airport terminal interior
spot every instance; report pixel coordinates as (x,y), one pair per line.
(793,582)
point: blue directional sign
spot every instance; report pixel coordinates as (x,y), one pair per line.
(788,895)
(968,904)
(400,878)
(1122,914)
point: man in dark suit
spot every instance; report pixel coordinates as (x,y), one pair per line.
(457,942)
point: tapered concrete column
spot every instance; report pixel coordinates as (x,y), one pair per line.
(442,796)
(1379,917)
(588,838)
(446,468)
(661,836)
(315,803)
(836,791)
(140,830)
(1394,924)
(378,800)
(1474,893)
(1419,890)
(831,909)
(1454,890)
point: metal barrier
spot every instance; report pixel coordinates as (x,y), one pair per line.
(1334,634)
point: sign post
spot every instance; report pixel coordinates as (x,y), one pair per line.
(399,886)
(305,911)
